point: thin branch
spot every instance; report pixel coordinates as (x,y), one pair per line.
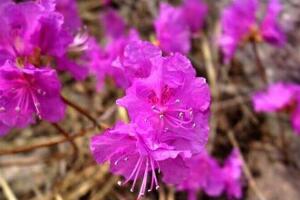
(259,65)
(25,162)
(82,111)
(246,169)
(67,136)
(52,142)
(212,78)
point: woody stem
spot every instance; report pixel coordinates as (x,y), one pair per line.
(259,65)
(81,111)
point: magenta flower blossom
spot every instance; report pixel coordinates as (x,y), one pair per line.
(114,24)
(280,97)
(172,31)
(107,63)
(49,37)
(232,173)
(18,23)
(136,61)
(204,173)
(169,111)
(247,27)
(172,100)
(28,92)
(35,34)
(68,8)
(134,152)
(270,29)
(96,58)
(194,13)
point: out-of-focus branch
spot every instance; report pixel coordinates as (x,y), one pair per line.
(259,65)
(72,142)
(83,112)
(212,78)
(246,169)
(51,142)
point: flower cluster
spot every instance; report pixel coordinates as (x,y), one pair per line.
(280,97)
(169,112)
(206,174)
(103,62)
(36,38)
(246,28)
(175,25)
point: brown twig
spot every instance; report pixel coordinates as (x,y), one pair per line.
(56,141)
(25,162)
(72,142)
(82,111)
(284,146)
(259,65)
(212,78)
(245,167)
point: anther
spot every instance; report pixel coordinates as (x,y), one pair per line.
(2,109)
(161,116)
(17,109)
(119,183)
(180,115)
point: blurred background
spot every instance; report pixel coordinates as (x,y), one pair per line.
(37,163)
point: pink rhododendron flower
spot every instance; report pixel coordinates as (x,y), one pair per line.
(106,61)
(172,100)
(194,13)
(107,64)
(247,27)
(18,22)
(169,110)
(270,29)
(232,174)
(279,97)
(205,174)
(136,61)
(175,25)
(28,92)
(69,9)
(35,34)
(172,31)
(135,151)
(114,24)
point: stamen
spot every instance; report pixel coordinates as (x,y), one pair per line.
(154,178)
(2,109)
(17,109)
(136,175)
(36,105)
(161,116)
(144,183)
(180,115)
